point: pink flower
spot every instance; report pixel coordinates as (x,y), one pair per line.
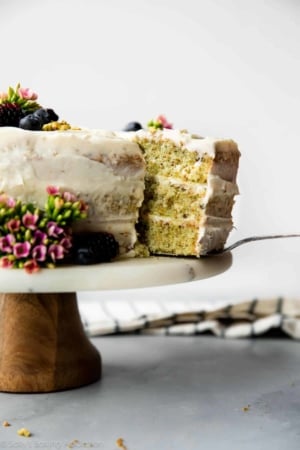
(56,251)
(52,190)
(27,94)
(39,237)
(162,119)
(31,266)
(10,202)
(21,249)
(30,220)
(66,243)
(54,230)
(6,262)
(7,242)
(13,225)
(39,252)
(7,201)
(3,199)
(68,197)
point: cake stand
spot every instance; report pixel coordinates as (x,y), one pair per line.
(43,346)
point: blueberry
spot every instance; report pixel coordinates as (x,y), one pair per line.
(30,122)
(46,115)
(133,126)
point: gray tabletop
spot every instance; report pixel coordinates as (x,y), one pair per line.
(169,393)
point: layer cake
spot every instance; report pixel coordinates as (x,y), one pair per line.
(169,190)
(190,186)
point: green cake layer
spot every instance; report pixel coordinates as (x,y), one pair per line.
(189,192)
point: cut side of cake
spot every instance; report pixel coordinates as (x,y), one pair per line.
(190,187)
(100,168)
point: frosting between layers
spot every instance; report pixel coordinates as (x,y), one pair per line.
(221,181)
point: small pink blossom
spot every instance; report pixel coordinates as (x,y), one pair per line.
(66,243)
(52,190)
(7,201)
(6,262)
(56,251)
(21,249)
(29,220)
(27,94)
(11,202)
(54,230)
(13,225)
(39,252)
(69,197)
(162,119)
(39,237)
(3,96)
(7,242)
(31,266)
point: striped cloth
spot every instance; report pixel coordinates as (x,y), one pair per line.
(238,320)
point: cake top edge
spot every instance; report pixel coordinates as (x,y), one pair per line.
(84,137)
(184,139)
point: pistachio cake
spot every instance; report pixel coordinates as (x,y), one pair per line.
(190,186)
(169,190)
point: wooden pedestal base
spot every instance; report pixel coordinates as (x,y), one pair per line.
(43,346)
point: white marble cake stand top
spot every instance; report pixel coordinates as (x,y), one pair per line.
(122,274)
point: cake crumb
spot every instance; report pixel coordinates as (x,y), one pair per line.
(24,432)
(120,444)
(246,408)
(73,443)
(5,424)
(76,443)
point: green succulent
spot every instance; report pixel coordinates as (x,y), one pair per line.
(156,124)
(23,97)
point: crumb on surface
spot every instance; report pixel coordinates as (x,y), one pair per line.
(77,444)
(120,444)
(24,432)
(5,423)
(246,408)
(73,443)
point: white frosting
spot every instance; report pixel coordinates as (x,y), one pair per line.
(189,141)
(100,167)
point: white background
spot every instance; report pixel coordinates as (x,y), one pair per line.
(224,68)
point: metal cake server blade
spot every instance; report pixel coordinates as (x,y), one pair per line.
(251,239)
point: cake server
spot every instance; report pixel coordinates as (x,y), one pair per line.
(251,239)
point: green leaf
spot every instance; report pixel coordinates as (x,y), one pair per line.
(11,92)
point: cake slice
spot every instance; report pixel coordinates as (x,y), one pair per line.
(103,170)
(190,186)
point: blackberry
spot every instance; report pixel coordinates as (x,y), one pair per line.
(93,248)
(10,114)
(133,126)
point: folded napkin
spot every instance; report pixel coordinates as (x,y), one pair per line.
(238,320)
